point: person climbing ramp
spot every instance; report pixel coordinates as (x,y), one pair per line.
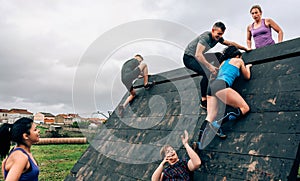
(131,70)
(220,89)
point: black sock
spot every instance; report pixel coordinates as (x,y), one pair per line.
(203,126)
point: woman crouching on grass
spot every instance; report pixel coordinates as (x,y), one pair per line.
(19,164)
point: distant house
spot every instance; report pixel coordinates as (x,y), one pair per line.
(44,118)
(4,115)
(66,119)
(15,114)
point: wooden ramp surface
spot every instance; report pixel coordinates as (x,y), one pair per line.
(262,146)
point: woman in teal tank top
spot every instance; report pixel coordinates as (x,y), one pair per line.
(220,89)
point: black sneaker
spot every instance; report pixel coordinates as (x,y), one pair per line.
(149,85)
(220,134)
(121,111)
(203,104)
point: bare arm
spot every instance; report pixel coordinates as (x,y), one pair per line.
(229,43)
(201,59)
(245,70)
(249,36)
(19,162)
(157,175)
(277,28)
(194,162)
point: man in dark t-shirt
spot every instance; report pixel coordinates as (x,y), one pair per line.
(131,70)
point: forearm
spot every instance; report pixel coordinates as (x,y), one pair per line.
(247,73)
(280,36)
(194,158)
(157,173)
(249,43)
(240,46)
(202,60)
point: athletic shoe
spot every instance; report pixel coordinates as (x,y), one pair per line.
(121,111)
(149,85)
(220,134)
(203,104)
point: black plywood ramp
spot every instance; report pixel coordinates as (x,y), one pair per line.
(264,145)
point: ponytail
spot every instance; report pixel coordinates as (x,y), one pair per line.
(5,139)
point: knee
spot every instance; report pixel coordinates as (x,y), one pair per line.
(132,93)
(143,65)
(245,109)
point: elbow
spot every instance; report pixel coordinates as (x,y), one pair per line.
(198,164)
(153,178)
(198,56)
(247,77)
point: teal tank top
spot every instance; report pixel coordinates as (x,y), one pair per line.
(228,73)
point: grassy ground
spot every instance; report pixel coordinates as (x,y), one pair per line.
(56,161)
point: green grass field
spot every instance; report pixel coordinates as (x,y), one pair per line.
(56,161)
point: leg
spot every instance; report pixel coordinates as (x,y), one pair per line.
(232,98)
(191,63)
(204,85)
(212,108)
(129,98)
(144,68)
(123,106)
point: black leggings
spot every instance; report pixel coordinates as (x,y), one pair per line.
(191,63)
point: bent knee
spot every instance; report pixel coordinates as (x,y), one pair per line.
(245,109)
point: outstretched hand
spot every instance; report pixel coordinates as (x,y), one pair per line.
(185,137)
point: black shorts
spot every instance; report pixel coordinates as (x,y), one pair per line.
(129,77)
(216,86)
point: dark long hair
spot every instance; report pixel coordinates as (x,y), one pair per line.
(230,52)
(13,132)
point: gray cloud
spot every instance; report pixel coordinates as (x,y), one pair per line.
(43,43)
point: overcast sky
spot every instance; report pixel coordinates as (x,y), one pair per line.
(46,45)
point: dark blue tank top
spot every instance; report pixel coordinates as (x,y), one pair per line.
(32,174)
(228,73)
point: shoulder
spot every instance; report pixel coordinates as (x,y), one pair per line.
(249,27)
(237,62)
(268,21)
(204,36)
(18,155)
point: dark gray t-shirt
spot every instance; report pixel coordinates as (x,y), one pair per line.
(205,39)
